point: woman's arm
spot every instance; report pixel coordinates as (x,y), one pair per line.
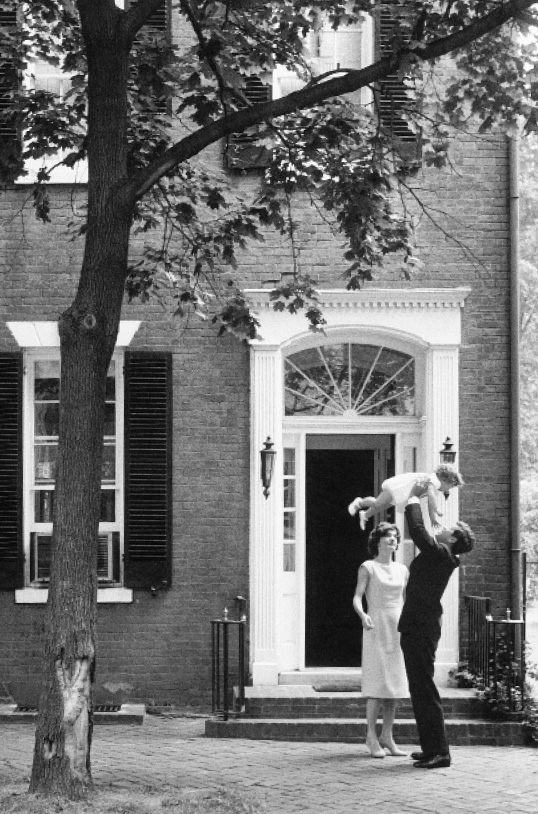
(362,584)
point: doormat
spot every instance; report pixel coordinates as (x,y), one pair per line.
(338,686)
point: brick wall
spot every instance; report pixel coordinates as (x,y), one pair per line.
(157,649)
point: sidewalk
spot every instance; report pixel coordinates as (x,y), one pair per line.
(310,778)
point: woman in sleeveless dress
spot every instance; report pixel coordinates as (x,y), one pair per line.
(384,679)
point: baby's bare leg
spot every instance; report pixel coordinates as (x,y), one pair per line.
(381,502)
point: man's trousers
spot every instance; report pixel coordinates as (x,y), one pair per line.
(419,650)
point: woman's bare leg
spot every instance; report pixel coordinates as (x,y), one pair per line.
(386,739)
(373,707)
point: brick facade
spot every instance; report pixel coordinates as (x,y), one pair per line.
(157,649)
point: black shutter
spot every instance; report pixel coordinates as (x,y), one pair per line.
(11,548)
(393,97)
(148,469)
(10,143)
(243,152)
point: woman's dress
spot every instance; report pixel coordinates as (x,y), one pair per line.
(383,668)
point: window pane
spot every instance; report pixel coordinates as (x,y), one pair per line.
(349,378)
(44,505)
(289,494)
(108,472)
(47,380)
(45,462)
(110,419)
(289,525)
(289,461)
(47,417)
(111,383)
(108,506)
(289,556)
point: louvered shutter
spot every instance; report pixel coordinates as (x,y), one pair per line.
(148,469)
(393,98)
(243,152)
(11,549)
(10,145)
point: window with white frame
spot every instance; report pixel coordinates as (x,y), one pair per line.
(41,418)
(134,539)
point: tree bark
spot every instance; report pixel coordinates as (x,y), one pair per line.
(88,331)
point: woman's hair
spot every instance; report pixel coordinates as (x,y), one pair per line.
(380,531)
(449,474)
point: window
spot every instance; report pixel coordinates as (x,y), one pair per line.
(40,450)
(135,525)
(290,509)
(325,50)
(48,77)
(351,380)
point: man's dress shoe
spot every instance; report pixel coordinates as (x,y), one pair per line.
(435,762)
(419,756)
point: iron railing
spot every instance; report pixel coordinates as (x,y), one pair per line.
(497,656)
(228,665)
(478,612)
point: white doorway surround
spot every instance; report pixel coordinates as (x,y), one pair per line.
(425,324)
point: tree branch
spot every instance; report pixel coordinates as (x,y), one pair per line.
(137,15)
(316,92)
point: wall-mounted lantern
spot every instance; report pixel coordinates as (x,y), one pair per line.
(447,454)
(267,455)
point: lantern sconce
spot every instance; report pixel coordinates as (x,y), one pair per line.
(267,455)
(447,454)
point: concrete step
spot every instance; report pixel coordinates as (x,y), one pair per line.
(296,701)
(322,675)
(127,714)
(461,732)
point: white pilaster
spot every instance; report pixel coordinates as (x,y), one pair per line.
(443,421)
(266,420)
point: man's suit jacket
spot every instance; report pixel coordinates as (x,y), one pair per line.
(428,577)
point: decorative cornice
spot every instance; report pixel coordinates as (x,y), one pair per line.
(30,334)
(370,298)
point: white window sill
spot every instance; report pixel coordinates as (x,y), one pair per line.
(38,596)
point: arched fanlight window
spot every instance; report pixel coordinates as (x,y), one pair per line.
(349,379)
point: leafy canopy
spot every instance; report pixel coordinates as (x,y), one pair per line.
(185,92)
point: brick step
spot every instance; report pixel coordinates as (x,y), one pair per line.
(292,702)
(464,732)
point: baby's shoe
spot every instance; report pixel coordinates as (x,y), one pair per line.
(354,507)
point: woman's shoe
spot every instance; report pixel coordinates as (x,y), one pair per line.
(375,748)
(392,749)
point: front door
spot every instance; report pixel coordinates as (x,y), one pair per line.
(338,469)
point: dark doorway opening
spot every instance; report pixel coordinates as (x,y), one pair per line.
(335,544)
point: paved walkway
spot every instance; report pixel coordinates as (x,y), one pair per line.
(310,778)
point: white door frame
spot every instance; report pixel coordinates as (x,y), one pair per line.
(425,322)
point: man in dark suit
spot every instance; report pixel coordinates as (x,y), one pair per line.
(420,627)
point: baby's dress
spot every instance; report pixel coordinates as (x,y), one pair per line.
(383,668)
(399,487)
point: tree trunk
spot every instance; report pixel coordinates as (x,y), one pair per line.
(88,331)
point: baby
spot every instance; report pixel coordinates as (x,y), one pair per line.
(397,490)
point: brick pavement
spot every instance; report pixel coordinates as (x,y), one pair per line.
(310,778)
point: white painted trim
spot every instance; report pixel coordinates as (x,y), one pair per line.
(30,334)
(39,596)
(376,297)
(425,323)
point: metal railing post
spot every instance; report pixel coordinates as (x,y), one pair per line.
(223,672)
